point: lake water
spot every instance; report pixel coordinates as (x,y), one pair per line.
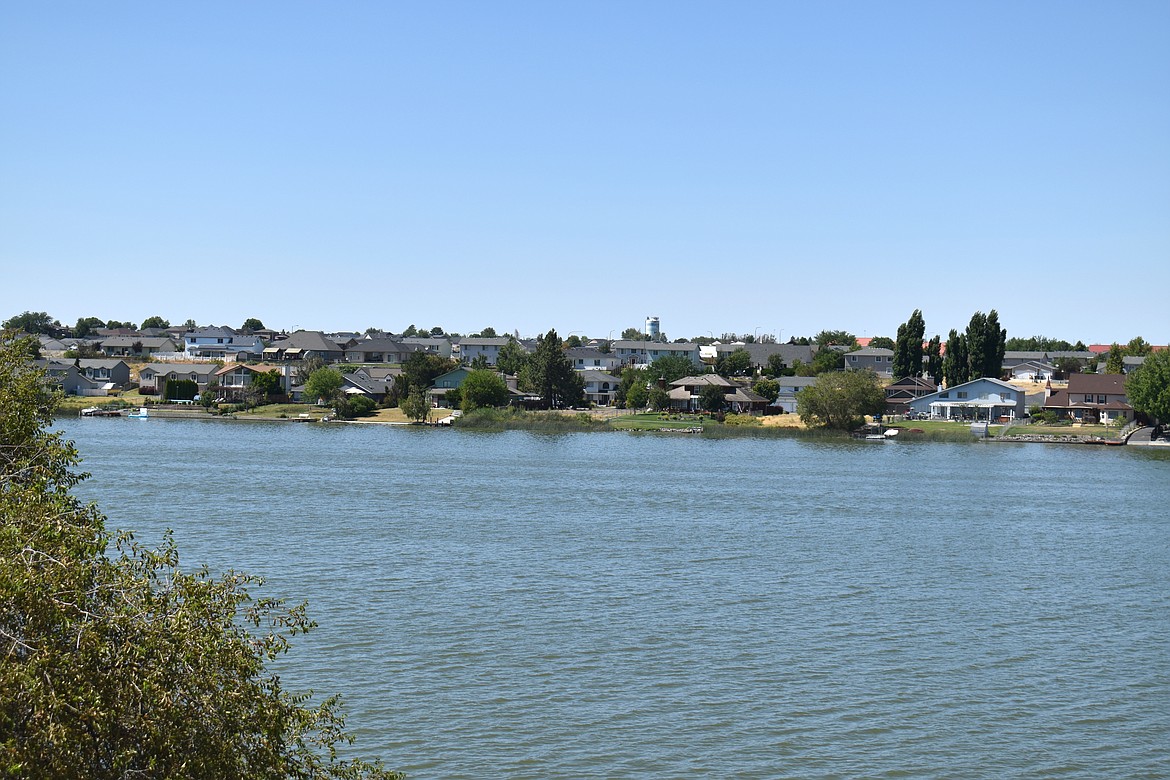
(652,606)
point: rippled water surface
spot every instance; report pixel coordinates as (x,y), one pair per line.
(623,605)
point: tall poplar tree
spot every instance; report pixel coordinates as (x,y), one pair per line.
(995,345)
(934,360)
(955,367)
(976,341)
(908,347)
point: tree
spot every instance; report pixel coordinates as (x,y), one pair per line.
(190,324)
(267,382)
(767,388)
(1148,386)
(633,380)
(954,368)
(415,406)
(323,385)
(1115,360)
(996,341)
(479,361)
(251,325)
(658,399)
(882,342)
(435,331)
(550,374)
(825,361)
(976,340)
(1138,347)
(421,368)
(712,398)
(33,322)
(908,347)
(86,326)
(119,325)
(512,358)
(672,367)
(572,341)
(777,366)
(117,661)
(840,400)
(934,360)
(307,366)
(410,332)
(633,334)
(155,322)
(483,387)
(735,363)
(637,396)
(488,333)
(839,338)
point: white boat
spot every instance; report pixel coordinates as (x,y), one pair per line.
(141,414)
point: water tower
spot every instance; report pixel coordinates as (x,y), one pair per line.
(652,328)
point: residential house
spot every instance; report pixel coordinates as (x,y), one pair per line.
(876,359)
(114,372)
(152,377)
(600,386)
(1032,371)
(590,358)
(359,384)
(980,399)
(487,348)
(1092,398)
(137,346)
(438,345)
(303,344)
(382,373)
(222,343)
(444,383)
(899,394)
(789,387)
(235,378)
(761,354)
(69,378)
(685,394)
(642,353)
(380,350)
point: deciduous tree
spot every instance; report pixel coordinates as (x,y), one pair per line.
(483,387)
(840,400)
(1148,386)
(117,661)
(155,322)
(324,384)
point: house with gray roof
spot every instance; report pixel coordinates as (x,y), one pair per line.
(303,344)
(380,350)
(789,387)
(152,377)
(137,346)
(876,359)
(600,386)
(985,399)
(586,358)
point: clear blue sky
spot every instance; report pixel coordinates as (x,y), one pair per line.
(781,167)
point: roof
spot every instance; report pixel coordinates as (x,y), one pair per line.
(259,368)
(129,341)
(484,342)
(593,375)
(1097,383)
(705,379)
(311,340)
(180,368)
(872,352)
(100,363)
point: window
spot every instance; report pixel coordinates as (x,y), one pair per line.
(1089,398)
(1100,399)
(961,394)
(944,395)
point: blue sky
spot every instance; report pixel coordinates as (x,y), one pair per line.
(774,167)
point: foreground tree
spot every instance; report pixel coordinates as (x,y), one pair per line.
(840,400)
(415,406)
(117,662)
(1148,386)
(712,398)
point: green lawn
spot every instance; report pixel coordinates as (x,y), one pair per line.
(654,422)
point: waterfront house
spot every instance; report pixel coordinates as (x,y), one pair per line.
(234,379)
(1092,398)
(685,394)
(222,343)
(900,393)
(152,377)
(444,383)
(113,372)
(600,386)
(789,387)
(980,399)
(380,350)
(65,375)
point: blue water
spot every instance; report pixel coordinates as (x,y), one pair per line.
(621,605)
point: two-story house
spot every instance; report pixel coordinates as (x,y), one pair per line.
(1092,398)
(987,399)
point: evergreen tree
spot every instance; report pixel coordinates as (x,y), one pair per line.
(976,343)
(551,374)
(995,341)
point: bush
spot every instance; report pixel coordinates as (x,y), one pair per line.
(740,419)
